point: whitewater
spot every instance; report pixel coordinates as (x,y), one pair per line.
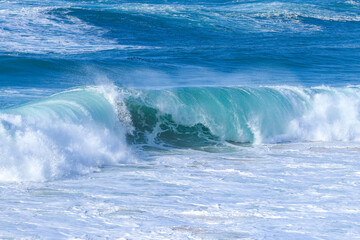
(179,120)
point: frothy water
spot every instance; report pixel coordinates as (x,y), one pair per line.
(73,132)
(287,189)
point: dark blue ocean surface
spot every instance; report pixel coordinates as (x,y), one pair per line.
(62,44)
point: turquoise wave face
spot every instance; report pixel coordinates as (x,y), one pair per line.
(231,114)
(199,116)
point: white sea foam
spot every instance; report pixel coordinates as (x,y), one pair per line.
(332,116)
(264,17)
(294,11)
(352,2)
(37,29)
(255,16)
(71,133)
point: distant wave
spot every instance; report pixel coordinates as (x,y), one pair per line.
(253,17)
(51,29)
(72,28)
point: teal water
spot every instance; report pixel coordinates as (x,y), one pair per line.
(179,120)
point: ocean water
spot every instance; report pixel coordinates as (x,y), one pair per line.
(167,119)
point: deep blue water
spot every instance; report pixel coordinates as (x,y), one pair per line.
(179,119)
(58,44)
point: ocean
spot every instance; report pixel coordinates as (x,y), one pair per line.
(163,119)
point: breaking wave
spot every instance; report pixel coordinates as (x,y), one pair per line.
(82,129)
(246,115)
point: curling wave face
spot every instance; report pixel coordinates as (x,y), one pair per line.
(245,115)
(82,129)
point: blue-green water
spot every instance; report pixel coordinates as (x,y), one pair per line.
(179,119)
